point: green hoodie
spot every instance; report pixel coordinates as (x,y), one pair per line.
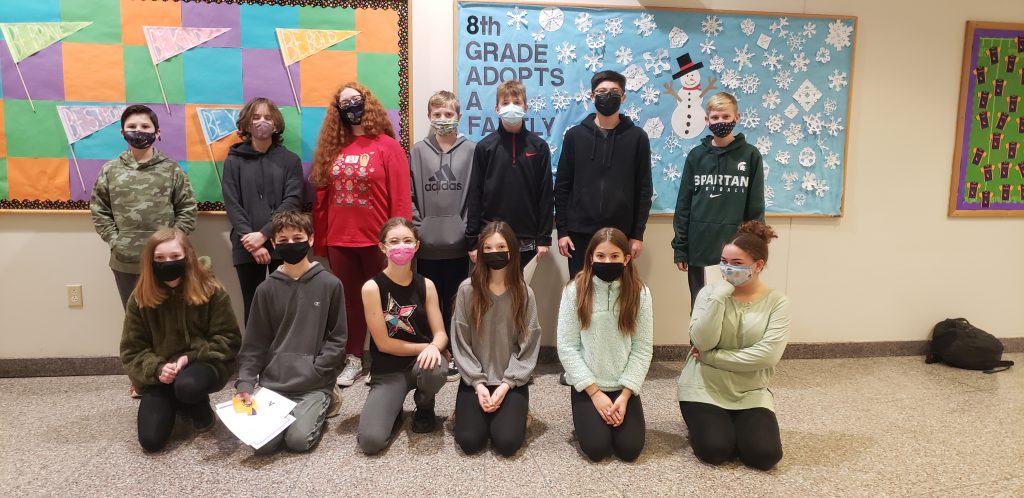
(131,200)
(721,188)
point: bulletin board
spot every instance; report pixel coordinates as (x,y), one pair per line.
(792,74)
(988,160)
(80,62)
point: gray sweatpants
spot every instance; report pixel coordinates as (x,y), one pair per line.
(309,414)
(386,397)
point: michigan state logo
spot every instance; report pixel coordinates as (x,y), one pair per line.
(444,179)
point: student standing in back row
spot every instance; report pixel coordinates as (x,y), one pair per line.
(441,166)
(511,179)
(604,175)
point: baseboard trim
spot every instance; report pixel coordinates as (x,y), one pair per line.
(111,365)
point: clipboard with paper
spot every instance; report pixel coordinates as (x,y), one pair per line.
(268,416)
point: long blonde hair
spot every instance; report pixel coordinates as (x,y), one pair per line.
(197,284)
(334,135)
(629,291)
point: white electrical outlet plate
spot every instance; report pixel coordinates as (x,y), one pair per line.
(75,295)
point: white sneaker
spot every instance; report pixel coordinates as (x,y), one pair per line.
(367,379)
(353,369)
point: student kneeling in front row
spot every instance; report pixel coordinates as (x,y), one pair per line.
(295,337)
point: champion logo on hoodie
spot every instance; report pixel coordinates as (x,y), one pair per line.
(444,179)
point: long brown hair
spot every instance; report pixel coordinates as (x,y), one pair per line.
(197,285)
(480,277)
(629,291)
(244,121)
(334,134)
(753,237)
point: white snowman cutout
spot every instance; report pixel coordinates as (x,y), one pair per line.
(688,118)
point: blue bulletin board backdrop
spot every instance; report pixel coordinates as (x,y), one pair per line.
(792,74)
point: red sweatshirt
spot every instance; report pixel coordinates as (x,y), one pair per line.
(369,183)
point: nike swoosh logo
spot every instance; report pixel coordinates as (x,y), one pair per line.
(531,154)
(714,195)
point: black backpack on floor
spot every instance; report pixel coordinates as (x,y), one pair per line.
(958,343)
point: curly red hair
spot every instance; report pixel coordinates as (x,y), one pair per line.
(334,135)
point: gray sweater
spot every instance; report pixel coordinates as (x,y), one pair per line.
(295,339)
(496,353)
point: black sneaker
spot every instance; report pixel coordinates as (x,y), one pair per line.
(453,372)
(203,418)
(561,379)
(423,421)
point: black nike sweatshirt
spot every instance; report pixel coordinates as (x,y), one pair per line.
(604,179)
(511,181)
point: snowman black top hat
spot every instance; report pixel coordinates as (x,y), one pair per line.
(686,66)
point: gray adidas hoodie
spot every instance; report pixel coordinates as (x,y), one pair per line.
(295,339)
(440,182)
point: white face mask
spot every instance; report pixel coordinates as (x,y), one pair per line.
(736,275)
(512,114)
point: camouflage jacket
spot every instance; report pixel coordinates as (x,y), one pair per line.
(131,200)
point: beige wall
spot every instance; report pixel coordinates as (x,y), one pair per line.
(892,267)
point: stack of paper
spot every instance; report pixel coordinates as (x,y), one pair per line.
(272,416)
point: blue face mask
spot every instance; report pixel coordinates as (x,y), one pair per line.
(512,114)
(736,275)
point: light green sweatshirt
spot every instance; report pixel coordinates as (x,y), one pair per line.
(601,354)
(739,344)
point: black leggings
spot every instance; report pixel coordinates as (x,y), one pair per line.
(506,427)
(250,276)
(598,439)
(189,394)
(717,434)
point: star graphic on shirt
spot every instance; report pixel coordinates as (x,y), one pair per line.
(397,317)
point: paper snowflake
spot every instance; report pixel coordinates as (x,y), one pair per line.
(633,111)
(814,123)
(794,133)
(773,60)
(582,97)
(717,64)
(807,95)
(624,55)
(807,157)
(677,37)
(782,157)
(830,107)
(789,179)
(764,41)
(821,188)
(743,57)
(770,99)
(839,35)
(750,83)
(671,173)
(779,27)
(538,36)
(763,144)
(537,103)
(593,62)
(834,126)
(707,46)
(769,194)
(749,118)
(747,26)
(730,79)
(795,42)
(799,63)
(783,78)
(551,18)
(613,26)
(837,80)
(810,181)
(645,25)
(711,25)
(650,95)
(799,199)
(821,144)
(823,55)
(791,111)
(654,127)
(584,22)
(774,123)
(517,18)
(655,157)
(657,62)
(560,100)
(810,29)
(552,148)
(636,78)
(831,160)
(595,39)
(565,53)
(672,143)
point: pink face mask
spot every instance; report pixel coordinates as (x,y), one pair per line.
(401,254)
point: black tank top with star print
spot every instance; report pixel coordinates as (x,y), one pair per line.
(405,318)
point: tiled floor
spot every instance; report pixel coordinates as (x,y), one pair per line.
(863,427)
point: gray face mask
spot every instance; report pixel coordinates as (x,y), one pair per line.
(445,126)
(262,130)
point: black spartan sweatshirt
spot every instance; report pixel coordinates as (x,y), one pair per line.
(604,179)
(721,188)
(511,181)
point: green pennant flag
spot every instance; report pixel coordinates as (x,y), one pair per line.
(27,38)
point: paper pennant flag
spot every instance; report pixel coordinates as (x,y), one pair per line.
(297,44)
(82,121)
(25,39)
(167,41)
(217,123)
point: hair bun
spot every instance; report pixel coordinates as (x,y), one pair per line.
(754,227)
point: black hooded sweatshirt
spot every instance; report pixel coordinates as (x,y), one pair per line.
(256,185)
(604,179)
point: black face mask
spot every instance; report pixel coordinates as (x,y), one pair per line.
(139,139)
(608,103)
(496,260)
(167,271)
(722,130)
(353,113)
(293,252)
(609,272)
